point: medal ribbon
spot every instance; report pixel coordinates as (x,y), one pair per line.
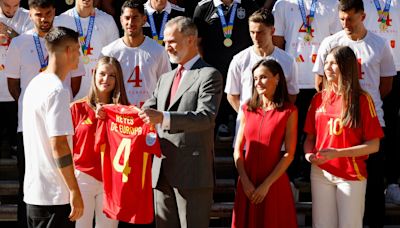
(383,15)
(158,37)
(227,28)
(307,23)
(39,50)
(84,41)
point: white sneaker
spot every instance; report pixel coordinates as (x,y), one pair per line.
(393,194)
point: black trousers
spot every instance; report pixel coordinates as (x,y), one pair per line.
(55,216)
(8,122)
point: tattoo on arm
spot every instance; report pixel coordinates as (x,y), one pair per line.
(64,161)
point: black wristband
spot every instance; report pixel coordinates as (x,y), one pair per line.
(64,161)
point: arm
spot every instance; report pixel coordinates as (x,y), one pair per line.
(318,79)
(385,86)
(287,158)
(75,85)
(238,156)
(208,101)
(62,156)
(234,101)
(279,41)
(14,87)
(368,147)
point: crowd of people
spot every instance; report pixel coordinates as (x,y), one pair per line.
(118,130)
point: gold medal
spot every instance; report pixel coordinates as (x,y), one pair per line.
(307,37)
(383,27)
(69,2)
(85,59)
(228,42)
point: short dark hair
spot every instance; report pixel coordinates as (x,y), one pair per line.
(263,16)
(133,4)
(41,3)
(347,5)
(58,36)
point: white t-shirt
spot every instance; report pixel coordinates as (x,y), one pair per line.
(46,114)
(20,23)
(392,34)
(141,67)
(104,32)
(375,57)
(239,80)
(289,24)
(22,62)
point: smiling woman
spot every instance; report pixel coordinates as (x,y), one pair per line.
(107,88)
(264,197)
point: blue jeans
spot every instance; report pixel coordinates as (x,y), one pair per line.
(55,216)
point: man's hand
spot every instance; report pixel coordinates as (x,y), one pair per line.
(100,113)
(151,116)
(76,203)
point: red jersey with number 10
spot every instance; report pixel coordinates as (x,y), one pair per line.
(324,121)
(127,144)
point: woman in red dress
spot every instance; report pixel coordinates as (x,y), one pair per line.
(264,197)
(107,88)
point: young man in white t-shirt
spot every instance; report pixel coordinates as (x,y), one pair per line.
(50,186)
(384,20)
(142,59)
(291,34)
(239,81)
(23,63)
(96,29)
(376,74)
(14,20)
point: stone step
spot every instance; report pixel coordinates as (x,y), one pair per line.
(9,187)
(225,167)
(8,212)
(8,169)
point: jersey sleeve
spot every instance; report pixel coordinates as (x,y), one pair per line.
(164,65)
(233,82)
(113,33)
(309,126)
(292,79)
(369,120)
(12,65)
(101,136)
(387,66)
(279,14)
(319,61)
(151,142)
(58,116)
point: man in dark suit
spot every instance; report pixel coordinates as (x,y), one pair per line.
(185,104)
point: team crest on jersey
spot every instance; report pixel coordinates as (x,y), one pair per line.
(151,138)
(241,13)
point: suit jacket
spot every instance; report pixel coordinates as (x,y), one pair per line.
(188,147)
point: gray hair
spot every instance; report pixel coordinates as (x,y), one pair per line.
(185,25)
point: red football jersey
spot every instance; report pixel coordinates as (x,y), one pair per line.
(324,121)
(127,144)
(85,124)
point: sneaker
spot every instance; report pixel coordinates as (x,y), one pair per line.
(223,133)
(393,194)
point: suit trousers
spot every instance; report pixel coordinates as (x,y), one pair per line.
(177,207)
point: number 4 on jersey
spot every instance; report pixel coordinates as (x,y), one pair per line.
(135,77)
(125,149)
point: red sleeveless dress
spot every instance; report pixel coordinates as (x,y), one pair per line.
(264,135)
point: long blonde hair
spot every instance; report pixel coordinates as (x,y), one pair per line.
(348,85)
(118,95)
